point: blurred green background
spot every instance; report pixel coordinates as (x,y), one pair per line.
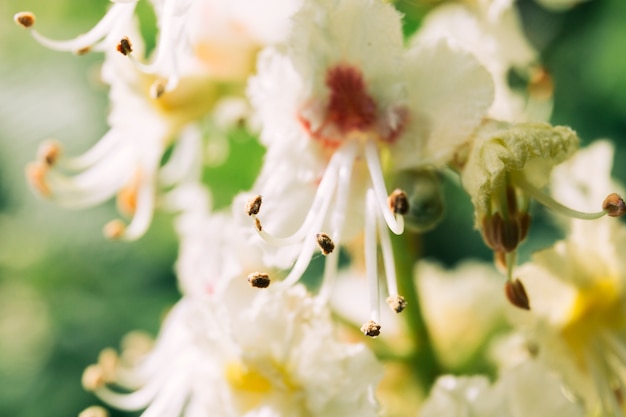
(66,292)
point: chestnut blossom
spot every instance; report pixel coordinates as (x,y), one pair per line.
(340,106)
(493,32)
(246,353)
(528,389)
(577,287)
(156,102)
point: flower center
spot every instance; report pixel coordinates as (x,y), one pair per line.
(350,106)
(243,378)
(349,112)
(595,309)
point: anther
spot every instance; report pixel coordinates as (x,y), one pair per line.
(257,224)
(36,176)
(516,294)
(325,243)
(108,361)
(94,411)
(399,202)
(253,206)
(614,205)
(24,19)
(124,46)
(93,378)
(48,152)
(371,329)
(114,229)
(259,280)
(83,51)
(157,89)
(397,303)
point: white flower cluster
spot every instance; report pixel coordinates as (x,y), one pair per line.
(350,109)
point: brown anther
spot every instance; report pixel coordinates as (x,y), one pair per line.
(83,51)
(325,243)
(516,294)
(397,303)
(157,89)
(94,411)
(399,202)
(48,152)
(114,229)
(505,235)
(614,205)
(24,19)
(36,176)
(93,378)
(259,280)
(371,329)
(124,46)
(253,206)
(257,224)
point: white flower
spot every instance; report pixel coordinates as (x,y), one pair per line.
(343,101)
(526,390)
(577,288)
(154,105)
(462,307)
(246,354)
(492,31)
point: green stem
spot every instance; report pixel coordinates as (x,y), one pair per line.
(423,361)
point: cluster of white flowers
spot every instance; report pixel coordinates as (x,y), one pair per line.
(350,110)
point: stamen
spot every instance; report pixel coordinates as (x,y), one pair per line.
(343,157)
(36,176)
(397,303)
(614,205)
(337,223)
(114,229)
(516,294)
(552,204)
(99,35)
(94,411)
(259,279)
(24,19)
(257,225)
(394,222)
(371,267)
(253,206)
(371,329)
(388,260)
(145,210)
(325,243)
(93,378)
(399,202)
(125,47)
(48,152)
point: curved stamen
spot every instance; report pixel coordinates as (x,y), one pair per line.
(93,155)
(172,397)
(394,222)
(116,16)
(140,398)
(388,260)
(337,224)
(323,196)
(94,185)
(168,45)
(554,205)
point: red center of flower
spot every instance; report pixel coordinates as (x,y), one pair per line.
(350,107)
